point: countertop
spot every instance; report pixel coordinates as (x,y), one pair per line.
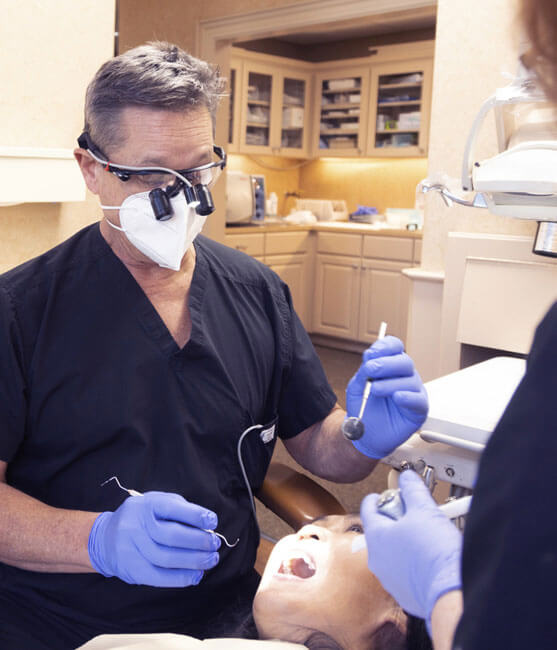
(324,226)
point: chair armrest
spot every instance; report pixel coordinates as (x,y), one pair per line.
(295,497)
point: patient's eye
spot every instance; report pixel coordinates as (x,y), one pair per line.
(355,528)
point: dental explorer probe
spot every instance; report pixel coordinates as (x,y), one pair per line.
(353,427)
(135,493)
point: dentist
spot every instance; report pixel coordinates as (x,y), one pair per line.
(141,349)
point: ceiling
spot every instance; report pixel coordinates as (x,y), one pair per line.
(377,25)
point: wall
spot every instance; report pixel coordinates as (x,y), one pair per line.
(475,53)
(464,75)
(52,51)
(378,182)
(332,50)
(176,20)
(282,175)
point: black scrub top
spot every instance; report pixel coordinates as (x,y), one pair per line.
(92,385)
(509,564)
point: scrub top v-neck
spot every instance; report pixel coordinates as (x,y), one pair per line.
(93,385)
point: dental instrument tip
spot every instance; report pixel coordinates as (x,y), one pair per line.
(208,530)
(353,428)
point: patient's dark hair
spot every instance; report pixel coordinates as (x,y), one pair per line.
(540,21)
(387,637)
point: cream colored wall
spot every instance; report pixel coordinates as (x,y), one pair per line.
(176,20)
(64,43)
(475,53)
(50,51)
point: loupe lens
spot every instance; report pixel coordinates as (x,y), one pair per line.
(206,205)
(160,204)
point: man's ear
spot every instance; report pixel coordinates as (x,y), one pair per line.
(89,168)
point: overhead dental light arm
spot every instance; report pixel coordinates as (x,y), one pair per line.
(521,180)
(514,94)
(449,197)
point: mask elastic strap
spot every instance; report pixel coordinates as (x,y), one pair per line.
(113,207)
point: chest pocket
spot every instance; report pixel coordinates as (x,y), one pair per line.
(256,450)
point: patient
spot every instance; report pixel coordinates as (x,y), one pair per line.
(314,585)
(314,592)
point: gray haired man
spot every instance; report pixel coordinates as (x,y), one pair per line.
(141,350)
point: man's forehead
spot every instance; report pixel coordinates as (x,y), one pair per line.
(175,139)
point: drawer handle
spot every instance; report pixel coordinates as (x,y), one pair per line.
(240,247)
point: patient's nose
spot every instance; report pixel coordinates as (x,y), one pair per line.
(310,532)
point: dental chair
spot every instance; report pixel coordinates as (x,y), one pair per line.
(296,499)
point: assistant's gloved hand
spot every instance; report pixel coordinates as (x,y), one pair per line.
(397,405)
(417,557)
(155,539)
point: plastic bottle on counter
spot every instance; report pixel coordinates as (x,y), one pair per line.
(272,205)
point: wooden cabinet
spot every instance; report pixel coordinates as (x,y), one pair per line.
(342,100)
(342,284)
(289,255)
(400,108)
(375,106)
(358,284)
(295,271)
(384,292)
(274,107)
(337,290)
(251,243)
(337,284)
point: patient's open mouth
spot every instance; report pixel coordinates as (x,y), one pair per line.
(301,566)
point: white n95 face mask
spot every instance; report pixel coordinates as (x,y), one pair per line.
(164,242)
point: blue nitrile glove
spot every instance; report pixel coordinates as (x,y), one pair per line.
(397,405)
(155,539)
(417,557)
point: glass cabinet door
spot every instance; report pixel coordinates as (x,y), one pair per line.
(231,106)
(294,113)
(343,111)
(258,104)
(234,107)
(400,114)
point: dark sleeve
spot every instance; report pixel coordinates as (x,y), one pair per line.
(306,396)
(509,564)
(13,393)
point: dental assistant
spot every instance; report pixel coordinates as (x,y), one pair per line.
(495,587)
(140,349)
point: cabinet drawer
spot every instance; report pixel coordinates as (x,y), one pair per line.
(339,243)
(250,243)
(390,248)
(286,242)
